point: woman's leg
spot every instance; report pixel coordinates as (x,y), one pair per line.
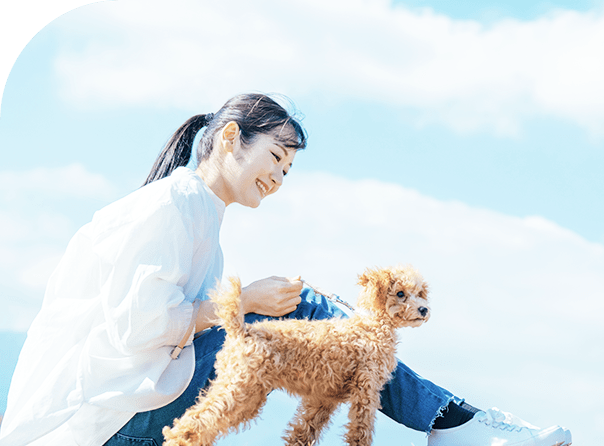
(407,398)
(145,428)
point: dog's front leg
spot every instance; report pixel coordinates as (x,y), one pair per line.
(364,402)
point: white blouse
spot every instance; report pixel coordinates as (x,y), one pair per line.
(115,307)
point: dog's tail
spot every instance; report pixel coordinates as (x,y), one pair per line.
(228,307)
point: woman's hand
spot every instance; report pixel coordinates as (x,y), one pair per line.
(273,296)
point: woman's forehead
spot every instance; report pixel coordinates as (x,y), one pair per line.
(287,136)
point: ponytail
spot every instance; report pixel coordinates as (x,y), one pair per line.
(177,151)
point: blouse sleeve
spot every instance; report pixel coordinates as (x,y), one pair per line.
(146,262)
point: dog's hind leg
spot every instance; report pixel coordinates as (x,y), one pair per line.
(199,424)
(223,408)
(311,418)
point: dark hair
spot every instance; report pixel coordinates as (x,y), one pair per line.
(255,114)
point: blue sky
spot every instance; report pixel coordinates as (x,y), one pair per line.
(464,137)
(489,11)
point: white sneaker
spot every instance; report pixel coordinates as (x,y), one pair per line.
(508,418)
(512,419)
(497,428)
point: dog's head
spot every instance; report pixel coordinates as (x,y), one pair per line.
(399,294)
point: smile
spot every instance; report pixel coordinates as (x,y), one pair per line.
(262,188)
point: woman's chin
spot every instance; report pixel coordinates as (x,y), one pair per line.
(252,202)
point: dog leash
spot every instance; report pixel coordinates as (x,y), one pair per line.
(332,297)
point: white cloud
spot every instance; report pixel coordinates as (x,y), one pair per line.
(469,76)
(72,181)
(335,228)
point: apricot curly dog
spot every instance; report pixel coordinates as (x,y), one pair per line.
(325,362)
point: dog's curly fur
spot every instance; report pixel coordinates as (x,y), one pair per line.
(325,362)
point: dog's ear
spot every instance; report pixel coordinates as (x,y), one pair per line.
(365,278)
(423,292)
(376,284)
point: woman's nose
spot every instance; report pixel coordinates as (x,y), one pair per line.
(277,177)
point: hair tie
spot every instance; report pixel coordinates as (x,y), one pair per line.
(209,117)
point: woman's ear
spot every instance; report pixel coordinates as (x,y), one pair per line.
(229,135)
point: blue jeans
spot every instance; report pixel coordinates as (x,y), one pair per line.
(408,398)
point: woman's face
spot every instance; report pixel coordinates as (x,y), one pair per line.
(257,170)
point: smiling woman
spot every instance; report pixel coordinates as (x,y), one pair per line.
(247,148)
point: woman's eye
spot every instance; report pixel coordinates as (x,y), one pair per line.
(277,157)
(400,294)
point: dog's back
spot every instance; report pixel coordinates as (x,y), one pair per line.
(323,354)
(336,348)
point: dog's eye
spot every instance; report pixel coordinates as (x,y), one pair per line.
(400,294)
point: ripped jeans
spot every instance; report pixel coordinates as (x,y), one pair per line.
(407,398)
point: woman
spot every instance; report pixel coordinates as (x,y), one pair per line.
(112,356)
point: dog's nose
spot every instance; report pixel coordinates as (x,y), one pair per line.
(423,311)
